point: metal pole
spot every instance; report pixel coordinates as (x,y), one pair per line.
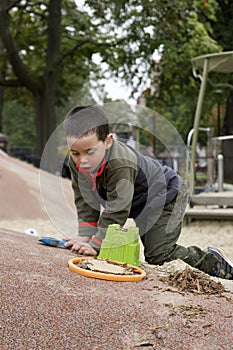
(220,173)
(190,169)
(197,120)
(210,159)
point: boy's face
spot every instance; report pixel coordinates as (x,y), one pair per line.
(87,151)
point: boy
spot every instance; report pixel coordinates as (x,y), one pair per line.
(127,184)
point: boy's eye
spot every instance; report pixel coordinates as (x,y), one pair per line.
(89,153)
(92,151)
(74,153)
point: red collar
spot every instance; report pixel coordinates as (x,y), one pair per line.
(93,178)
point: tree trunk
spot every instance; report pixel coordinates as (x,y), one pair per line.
(43,89)
(46,125)
(1,105)
(2,89)
(228,121)
(227,145)
(45,98)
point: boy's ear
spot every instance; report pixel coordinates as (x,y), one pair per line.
(108,141)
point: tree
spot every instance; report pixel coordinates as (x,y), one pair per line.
(43,90)
(223,33)
(176,30)
(49,47)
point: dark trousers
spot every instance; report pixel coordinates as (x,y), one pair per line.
(160,243)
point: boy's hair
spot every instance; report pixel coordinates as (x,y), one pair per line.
(84,120)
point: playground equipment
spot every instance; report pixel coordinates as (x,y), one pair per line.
(210,166)
(202,66)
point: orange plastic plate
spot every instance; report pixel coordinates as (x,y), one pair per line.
(139,273)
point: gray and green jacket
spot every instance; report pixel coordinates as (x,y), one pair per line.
(127,185)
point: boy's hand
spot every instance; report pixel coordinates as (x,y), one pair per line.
(84,249)
(81,248)
(80,239)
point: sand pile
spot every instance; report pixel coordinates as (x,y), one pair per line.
(31,198)
(47,306)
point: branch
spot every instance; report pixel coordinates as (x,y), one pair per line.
(12,4)
(89,41)
(11,83)
(17,65)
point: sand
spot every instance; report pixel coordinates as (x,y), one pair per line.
(45,305)
(34,199)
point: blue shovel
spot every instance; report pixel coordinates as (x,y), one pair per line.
(54,242)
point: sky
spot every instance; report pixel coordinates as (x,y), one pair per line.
(116,90)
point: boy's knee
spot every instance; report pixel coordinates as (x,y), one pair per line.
(158,259)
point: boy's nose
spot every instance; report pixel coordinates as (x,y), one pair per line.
(83,159)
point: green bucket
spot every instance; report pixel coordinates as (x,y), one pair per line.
(121,245)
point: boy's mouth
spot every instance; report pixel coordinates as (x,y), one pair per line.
(87,169)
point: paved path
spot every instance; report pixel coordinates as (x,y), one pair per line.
(47,306)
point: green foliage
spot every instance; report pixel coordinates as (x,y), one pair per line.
(19,124)
(179,31)
(52,58)
(80,38)
(223,26)
(126,34)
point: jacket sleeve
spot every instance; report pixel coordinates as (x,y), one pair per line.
(88,208)
(120,189)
